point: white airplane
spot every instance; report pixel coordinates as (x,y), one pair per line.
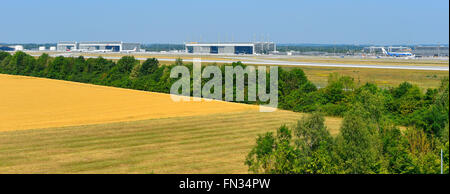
(129,51)
(397,54)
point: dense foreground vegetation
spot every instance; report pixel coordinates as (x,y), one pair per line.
(369,142)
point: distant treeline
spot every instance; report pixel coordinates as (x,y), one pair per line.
(369,141)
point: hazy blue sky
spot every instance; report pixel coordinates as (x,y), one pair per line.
(171,21)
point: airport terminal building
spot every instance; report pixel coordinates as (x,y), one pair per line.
(111,46)
(230,48)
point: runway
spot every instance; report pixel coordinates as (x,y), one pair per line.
(286,63)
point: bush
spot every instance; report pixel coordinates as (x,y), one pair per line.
(308,152)
(333,109)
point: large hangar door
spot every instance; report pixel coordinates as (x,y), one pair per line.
(243,50)
(113,48)
(214,50)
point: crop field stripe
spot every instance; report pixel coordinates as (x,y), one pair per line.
(178,128)
(139,139)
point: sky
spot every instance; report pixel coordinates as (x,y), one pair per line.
(177,21)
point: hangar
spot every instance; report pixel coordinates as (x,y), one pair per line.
(230,48)
(431,51)
(107,46)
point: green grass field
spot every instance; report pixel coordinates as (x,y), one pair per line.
(216,143)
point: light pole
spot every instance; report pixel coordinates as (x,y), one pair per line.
(442,167)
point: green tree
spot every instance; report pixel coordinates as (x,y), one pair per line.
(179,61)
(4,64)
(315,146)
(126,64)
(307,152)
(335,92)
(274,155)
(41,64)
(434,117)
(358,146)
(259,160)
(310,132)
(3,55)
(149,66)
(401,89)
(395,151)
(17,63)
(291,80)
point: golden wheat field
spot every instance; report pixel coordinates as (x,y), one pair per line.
(83,128)
(29,102)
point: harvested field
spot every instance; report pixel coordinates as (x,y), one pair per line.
(216,143)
